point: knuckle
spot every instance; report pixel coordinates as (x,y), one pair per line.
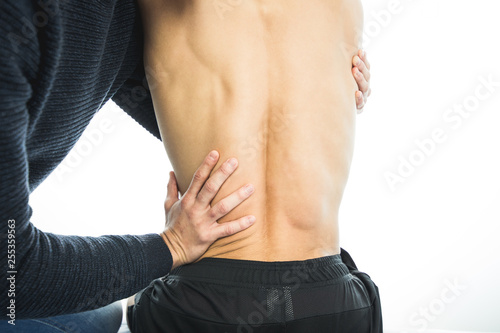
(212,214)
(188,209)
(198,175)
(188,197)
(222,208)
(225,170)
(205,237)
(229,229)
(211,187)
(242,194)
(184,204)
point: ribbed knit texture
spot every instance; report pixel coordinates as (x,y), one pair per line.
(60,62)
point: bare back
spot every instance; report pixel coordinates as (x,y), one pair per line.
(268,82)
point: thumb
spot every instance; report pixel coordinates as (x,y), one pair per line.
(172,191)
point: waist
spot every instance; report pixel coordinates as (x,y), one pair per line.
(227,271)
(277,240)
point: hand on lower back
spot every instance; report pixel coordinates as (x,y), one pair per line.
(191,225)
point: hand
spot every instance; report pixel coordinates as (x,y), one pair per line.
(361,73)
(191,225)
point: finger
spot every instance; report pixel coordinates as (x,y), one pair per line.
(202,173)
(360,64)
(360,101)
(230,202)
(230,228)
(363,55)
(361,109)
(172,191)
(213,184)
(363,85)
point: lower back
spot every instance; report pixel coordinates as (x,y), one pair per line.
(269,84)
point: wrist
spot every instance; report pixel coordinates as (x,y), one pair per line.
(168,236)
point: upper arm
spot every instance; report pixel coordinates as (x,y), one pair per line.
(134,97)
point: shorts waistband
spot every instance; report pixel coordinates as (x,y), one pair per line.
(259,272)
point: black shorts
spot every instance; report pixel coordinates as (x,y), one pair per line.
(214,295)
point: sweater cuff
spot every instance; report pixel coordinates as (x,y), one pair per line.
(158,259)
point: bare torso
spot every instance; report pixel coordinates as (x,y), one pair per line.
(268,82)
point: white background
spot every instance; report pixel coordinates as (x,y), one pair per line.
(436,226)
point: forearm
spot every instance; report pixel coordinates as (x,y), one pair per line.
(56,275)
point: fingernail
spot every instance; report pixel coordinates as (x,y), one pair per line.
(213,155)
(232,162)
(249,189)
(251,219)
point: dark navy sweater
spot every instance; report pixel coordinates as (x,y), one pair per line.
(61,60)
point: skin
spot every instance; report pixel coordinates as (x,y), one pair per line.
(189,235)
(269,84)
(361,73)
(192,223)
(195,218)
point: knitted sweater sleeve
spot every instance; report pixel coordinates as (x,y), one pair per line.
(45,274)
(134,97)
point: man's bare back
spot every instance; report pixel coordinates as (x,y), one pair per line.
(267,82)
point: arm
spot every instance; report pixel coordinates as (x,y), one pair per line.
(57,274)
(196,226)
(134,97)
(54,274)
